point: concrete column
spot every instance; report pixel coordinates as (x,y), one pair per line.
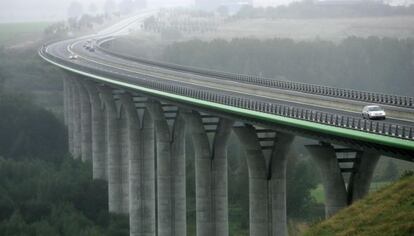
(258,187)
(70,116)
(267,182)
(76,119)
(66,96)
(99,148)
(332,180)
(125,148)
(114,154)
(361,179)
(171,197)
(143,201)
(211,176)
(278,165)
(141,171)
(86,122)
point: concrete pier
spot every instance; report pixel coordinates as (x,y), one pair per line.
(336,194)
(99,147)
(332,180)
(360,181)
(86,122)
(171,199)
(115,196)
(267,182)
(70,115)
(66,97)
(76,119)
(211,176)
(141,170)
(146,194)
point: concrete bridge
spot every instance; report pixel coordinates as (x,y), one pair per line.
(130,116)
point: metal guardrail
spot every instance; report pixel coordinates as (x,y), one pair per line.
(216,96)
(350,94)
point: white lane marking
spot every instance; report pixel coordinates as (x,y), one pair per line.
(207,86)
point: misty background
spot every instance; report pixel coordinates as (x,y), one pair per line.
(55,10)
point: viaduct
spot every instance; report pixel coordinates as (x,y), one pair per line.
(129,116)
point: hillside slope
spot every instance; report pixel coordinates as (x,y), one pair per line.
(390,211)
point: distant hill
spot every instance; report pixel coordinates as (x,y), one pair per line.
(390,211)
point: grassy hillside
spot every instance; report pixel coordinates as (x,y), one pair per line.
(390,211)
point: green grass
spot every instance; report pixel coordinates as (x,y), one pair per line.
(17,32)
(389,211)
(317,193)
(319,196)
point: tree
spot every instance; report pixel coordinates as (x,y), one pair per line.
(301,179)
(75,10)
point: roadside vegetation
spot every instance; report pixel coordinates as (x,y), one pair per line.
(389,211)
(19,33)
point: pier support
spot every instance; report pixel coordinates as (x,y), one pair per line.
(267,182)
(85,122)
(171,191)
(211,176)
(115,197)
(99,147)
(141,155)
(76,121)
(337,195)
(70,114)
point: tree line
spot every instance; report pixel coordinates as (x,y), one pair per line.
(313,9)
(373,64)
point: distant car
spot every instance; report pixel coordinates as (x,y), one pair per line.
(373,112)
(73,56)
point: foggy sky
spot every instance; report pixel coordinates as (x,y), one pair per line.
(53,10)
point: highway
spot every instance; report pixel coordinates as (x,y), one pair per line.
(134,72)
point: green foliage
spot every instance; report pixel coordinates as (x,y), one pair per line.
(301,180)
(373,64)
(390,172)
(29,131)
(12,33)
(44,198)
(389,211)
(308,9)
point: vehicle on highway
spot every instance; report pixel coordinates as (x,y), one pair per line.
(73,56)
(373,112)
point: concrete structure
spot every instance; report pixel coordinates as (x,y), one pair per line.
(140,151)
(267,182)
(130,117)
(211,176)
(337,195)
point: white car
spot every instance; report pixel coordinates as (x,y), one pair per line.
(373,112)
(73,56)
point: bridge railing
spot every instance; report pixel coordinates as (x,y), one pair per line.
(350,94)
(234,100)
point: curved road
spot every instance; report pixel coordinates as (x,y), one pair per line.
(101,61)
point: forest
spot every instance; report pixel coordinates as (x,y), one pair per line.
(374,64)
(311,9)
